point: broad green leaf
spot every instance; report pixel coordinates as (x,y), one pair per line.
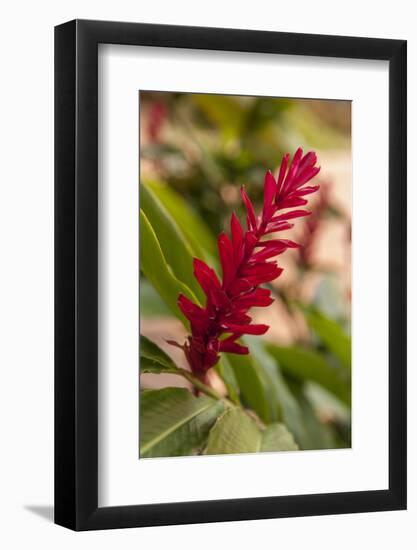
(151,303)
(153,359)
(266,366)
(281,398)
(320,435)
(282,405)
(226,373)
(191,224)
(234,432)
(332,336)
(322,399)
(290,409)
(175,248)
(157,271)
(175,423)
(292,412)
(336,432)
(276,437)
(310,365)
(252,384)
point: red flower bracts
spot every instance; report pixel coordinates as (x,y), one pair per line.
(247,263)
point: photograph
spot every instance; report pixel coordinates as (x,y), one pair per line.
(245,274)
(208,274)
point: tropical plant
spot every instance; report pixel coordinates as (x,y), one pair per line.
(270,396)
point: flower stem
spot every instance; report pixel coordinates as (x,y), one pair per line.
(199,385)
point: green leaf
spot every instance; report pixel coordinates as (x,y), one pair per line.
(175,248)
(191,224)
(266,367)
(283,403)
(151,304)
(252,384)
(234,432)
(310,365)
(332,336)
(153,359)
(276,437)
(320,435)
(226,373)
(321,399)
(296,412)
(157,271)
(175,423)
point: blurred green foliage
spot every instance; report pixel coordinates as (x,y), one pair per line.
(213,141)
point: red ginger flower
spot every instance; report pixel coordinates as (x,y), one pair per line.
(246,264)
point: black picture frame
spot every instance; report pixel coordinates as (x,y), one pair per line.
(76,272)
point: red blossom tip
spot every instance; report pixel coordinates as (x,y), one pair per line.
(226,259)
(206,277)
(249,209)
(233,347)
(256,330)
(270,189)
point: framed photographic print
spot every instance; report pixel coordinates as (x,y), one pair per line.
(230,275)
